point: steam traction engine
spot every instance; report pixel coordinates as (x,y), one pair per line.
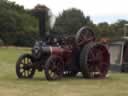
(66,56)
(75,54)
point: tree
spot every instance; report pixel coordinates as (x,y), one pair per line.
(117,28)
(113,31)
(15,23)
(103,29)
(70,21)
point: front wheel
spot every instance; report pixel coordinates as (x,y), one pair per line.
(54,68)
(24,66)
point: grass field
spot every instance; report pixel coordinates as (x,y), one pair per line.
(115,85)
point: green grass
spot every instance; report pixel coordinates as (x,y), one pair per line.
(115,85)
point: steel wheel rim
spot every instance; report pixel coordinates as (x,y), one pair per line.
(25,67)
(98,62)
(55,69)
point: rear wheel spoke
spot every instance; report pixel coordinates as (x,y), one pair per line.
(97,63)
(53,65)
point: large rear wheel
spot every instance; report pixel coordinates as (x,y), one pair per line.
(94,60)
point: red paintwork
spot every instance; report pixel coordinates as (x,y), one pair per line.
(56,51)
(66,54)
(99,60)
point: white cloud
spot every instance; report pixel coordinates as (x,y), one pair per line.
(89,7)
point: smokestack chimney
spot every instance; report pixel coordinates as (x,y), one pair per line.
(41,11)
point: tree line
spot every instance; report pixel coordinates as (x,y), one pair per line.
(19,27)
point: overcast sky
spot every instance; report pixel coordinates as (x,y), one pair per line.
(98,10)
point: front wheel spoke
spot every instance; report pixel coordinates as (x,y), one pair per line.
(21,70)
(52,74)
(22,62)
(26,60)
(23,73)
(53,68)
(30,69)
(55,75)
(27,74)
(21,65)
(59,71)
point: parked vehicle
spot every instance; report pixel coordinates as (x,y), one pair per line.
(65,56)
(118,50)
(76,54)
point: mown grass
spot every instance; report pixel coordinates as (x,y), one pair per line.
(115,85)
